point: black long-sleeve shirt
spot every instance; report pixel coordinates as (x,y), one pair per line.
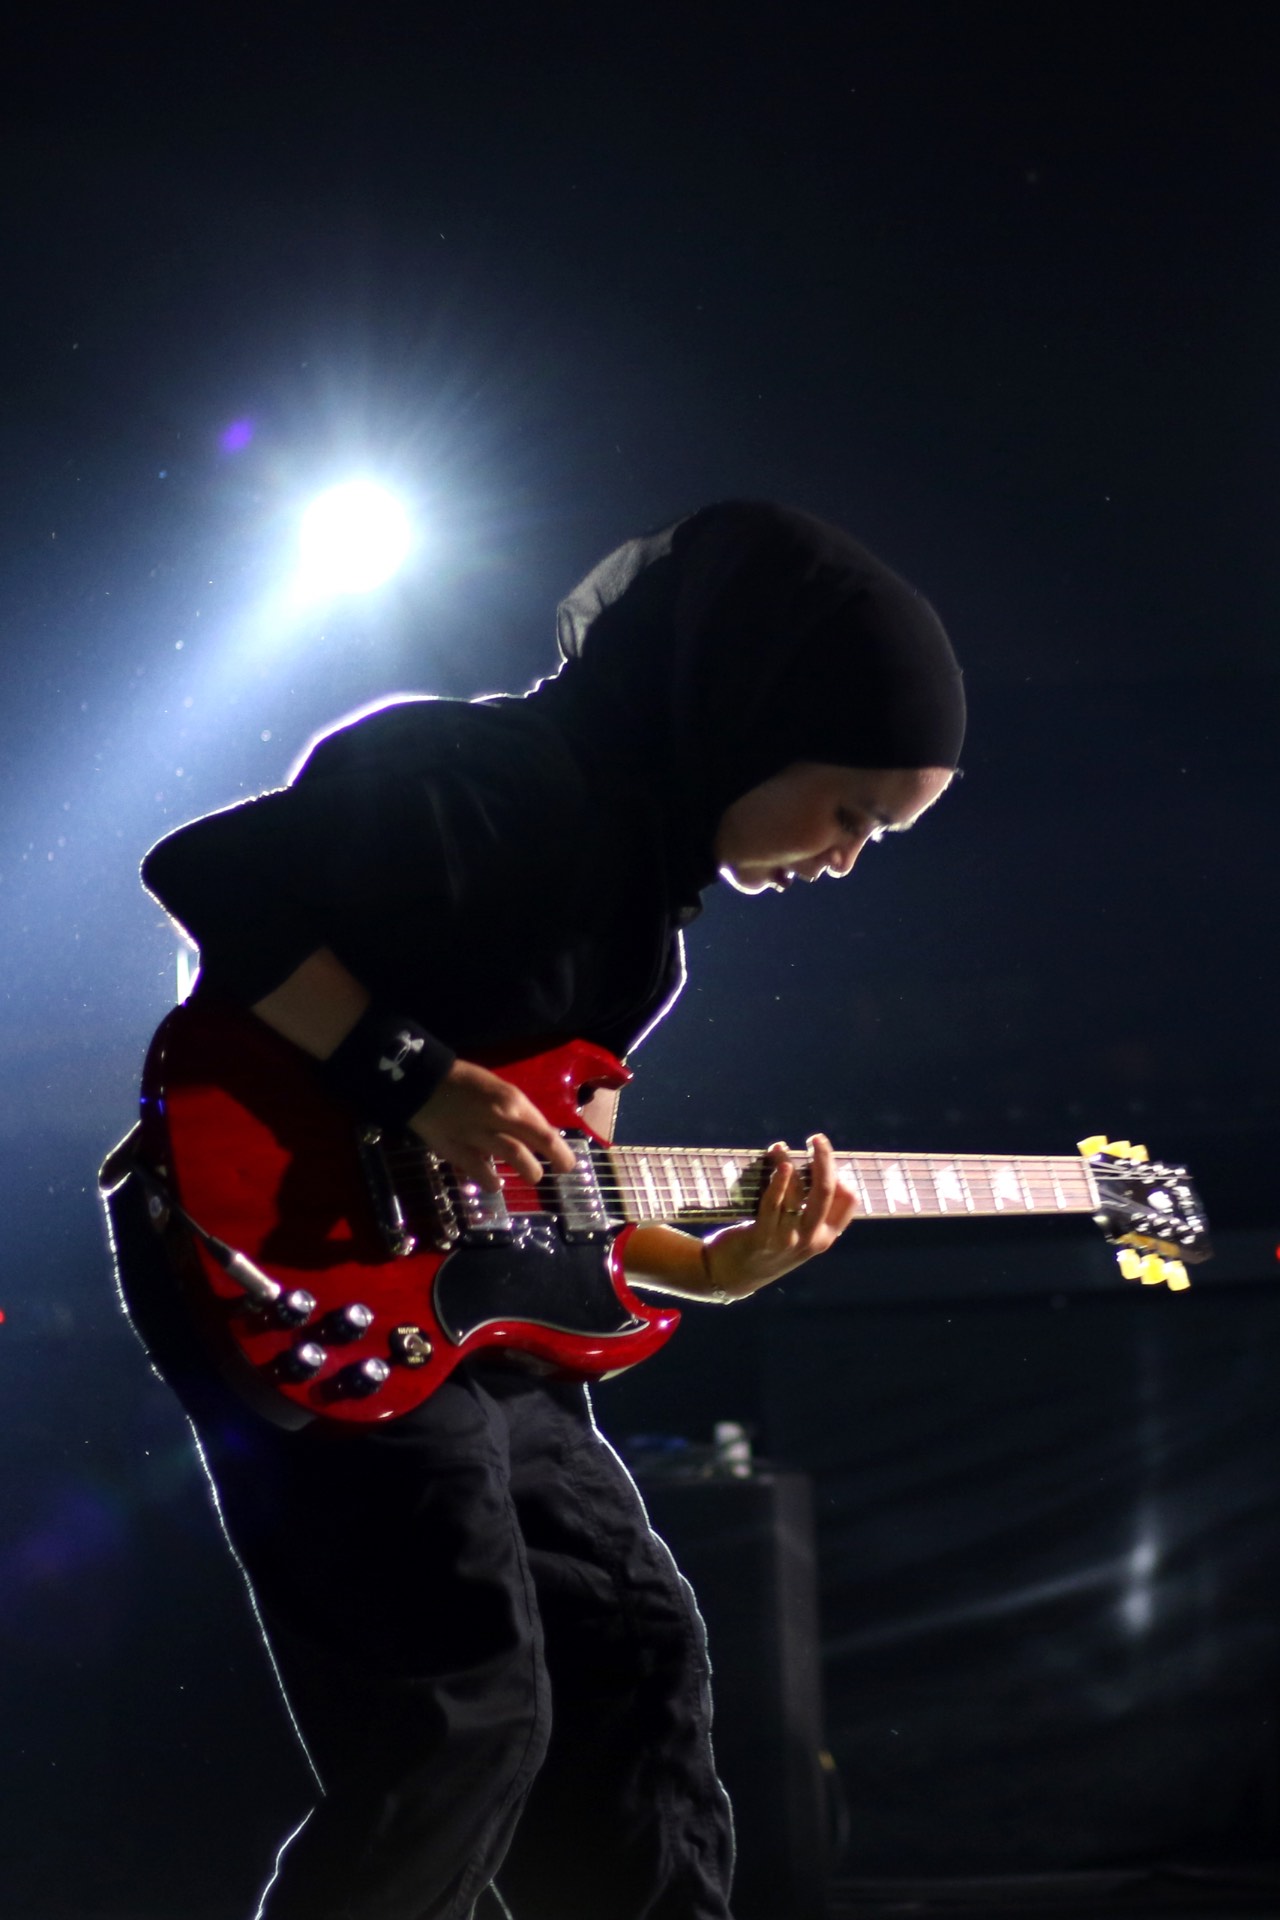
(461,862)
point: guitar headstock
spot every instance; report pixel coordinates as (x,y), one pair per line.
(1150,1213)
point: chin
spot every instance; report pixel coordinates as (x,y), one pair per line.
(747,880)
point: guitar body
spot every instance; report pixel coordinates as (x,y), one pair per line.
(407,1271)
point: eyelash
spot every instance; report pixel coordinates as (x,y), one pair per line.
(849,823)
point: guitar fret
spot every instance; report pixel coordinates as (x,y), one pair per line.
(899,1185)
(948,1185)
(962,1174)
(1005,1188)
(874,1181)
(897,1191)
(978,1175)
(1060,1186)
(688,1185)
(1047,1183)
(847,1168)
(877,1187)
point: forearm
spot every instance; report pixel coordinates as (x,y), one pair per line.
(466,1114)
(792,1224)
(317,1006)
(664,1260)
(386,1066)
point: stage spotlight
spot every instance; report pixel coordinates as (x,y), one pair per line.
(353,537)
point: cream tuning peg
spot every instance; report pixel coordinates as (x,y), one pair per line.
(1117,1149)
(1151,1269)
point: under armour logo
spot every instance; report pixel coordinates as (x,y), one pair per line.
(406,1044)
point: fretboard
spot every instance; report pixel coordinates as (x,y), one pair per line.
(694,1186)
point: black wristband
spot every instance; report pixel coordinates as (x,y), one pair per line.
(387,1067)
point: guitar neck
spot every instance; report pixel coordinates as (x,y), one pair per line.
(702,1186)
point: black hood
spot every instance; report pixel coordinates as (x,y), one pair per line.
(701,660)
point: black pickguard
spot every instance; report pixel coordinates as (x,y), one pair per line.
(535,1276)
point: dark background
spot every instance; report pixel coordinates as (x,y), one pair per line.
(994,285)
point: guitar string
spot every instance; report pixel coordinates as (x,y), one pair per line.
(753,1157)
(711,1164)
(1042,1181)
(1033,1195)
(714,1159)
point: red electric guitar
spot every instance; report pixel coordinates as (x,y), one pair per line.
(343,1273)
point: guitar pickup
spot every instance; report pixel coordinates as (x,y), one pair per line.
(579,1203)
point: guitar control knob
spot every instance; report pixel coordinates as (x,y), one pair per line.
(347,1323)
(295,1308)
(365,1377)
(303,1361)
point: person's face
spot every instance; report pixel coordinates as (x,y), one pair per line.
(812,819)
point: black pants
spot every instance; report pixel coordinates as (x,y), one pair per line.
(496,1668)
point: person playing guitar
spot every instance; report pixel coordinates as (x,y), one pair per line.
(498,1674)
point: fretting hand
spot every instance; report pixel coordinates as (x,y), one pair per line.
(790,1227)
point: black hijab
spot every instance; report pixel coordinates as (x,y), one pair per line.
(703,659)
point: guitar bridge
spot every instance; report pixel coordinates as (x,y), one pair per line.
(486,1219)
(444,1215)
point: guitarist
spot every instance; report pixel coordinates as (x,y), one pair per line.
(494,1665)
